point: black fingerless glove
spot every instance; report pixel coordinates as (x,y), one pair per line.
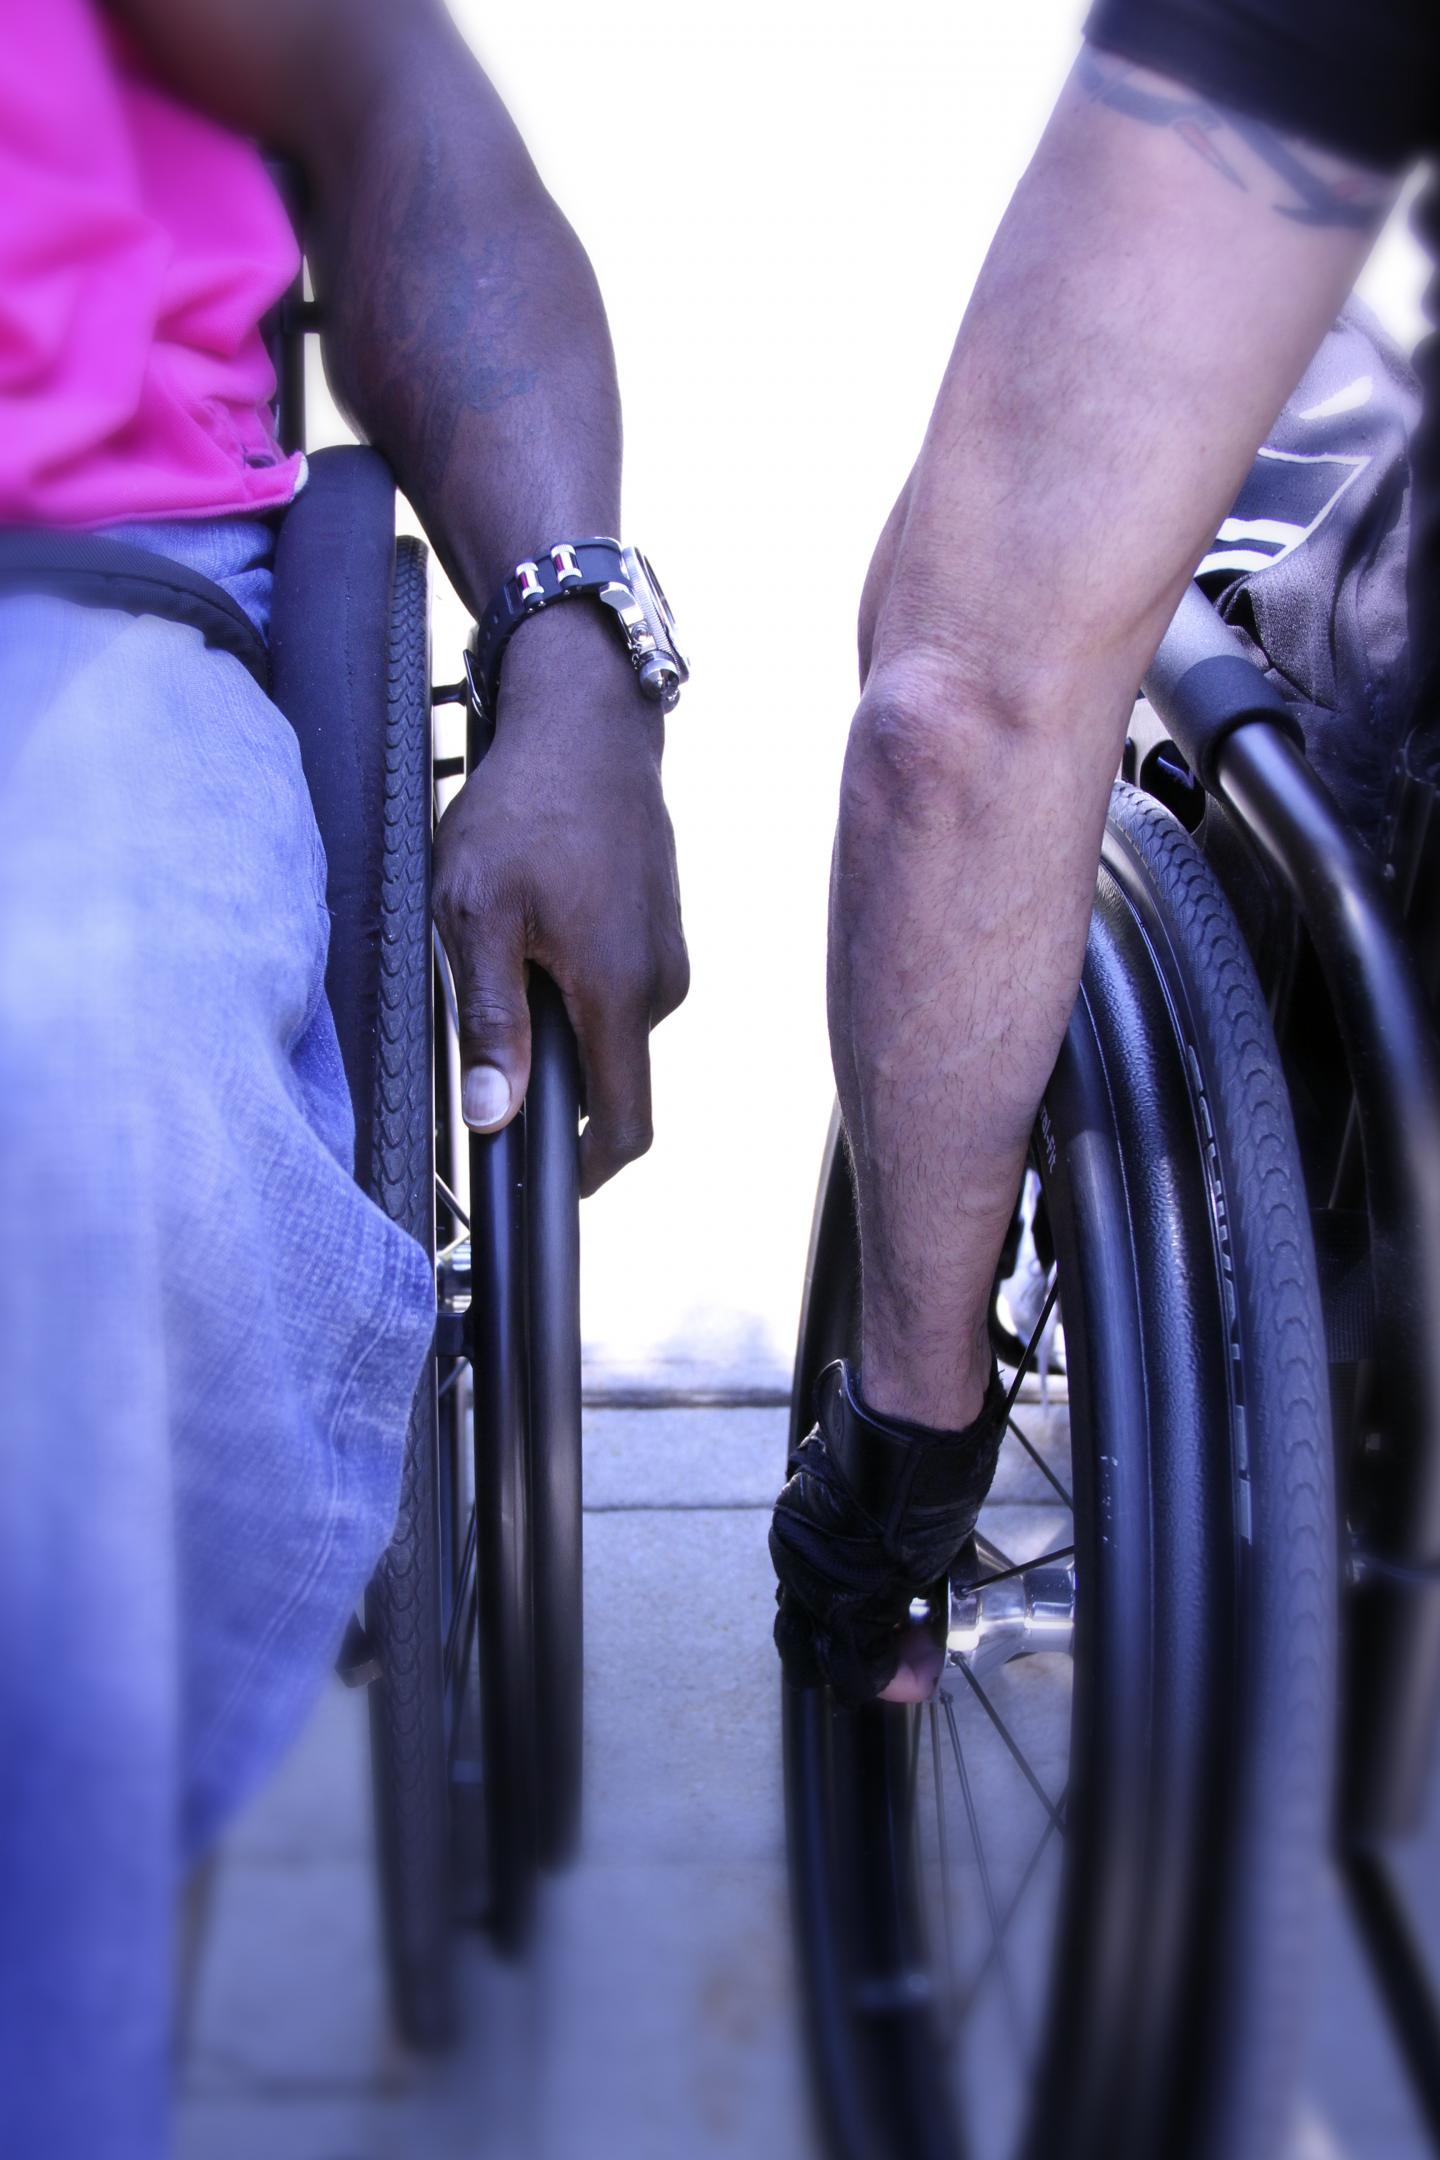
(874,1515)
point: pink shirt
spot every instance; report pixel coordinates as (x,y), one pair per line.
(140,245)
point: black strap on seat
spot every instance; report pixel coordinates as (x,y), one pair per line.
(94,571)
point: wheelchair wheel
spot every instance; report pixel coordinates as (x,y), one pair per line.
(1065,1909)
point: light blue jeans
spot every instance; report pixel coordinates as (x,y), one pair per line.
(209,1338)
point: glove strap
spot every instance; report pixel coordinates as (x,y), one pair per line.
(889,1464)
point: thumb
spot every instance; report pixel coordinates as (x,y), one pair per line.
(494,1016)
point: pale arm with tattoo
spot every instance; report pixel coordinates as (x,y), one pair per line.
(1160,280)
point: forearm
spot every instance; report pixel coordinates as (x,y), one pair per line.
(464,331)
(962,884)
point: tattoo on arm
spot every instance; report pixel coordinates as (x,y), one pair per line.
(1321,190)
(457,333)
(463,329)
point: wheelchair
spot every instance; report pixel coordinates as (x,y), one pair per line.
(1066,1907)
(471,1637)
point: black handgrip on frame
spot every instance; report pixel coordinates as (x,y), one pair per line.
(1203,686)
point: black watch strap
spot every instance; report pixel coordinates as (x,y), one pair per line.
(572,570)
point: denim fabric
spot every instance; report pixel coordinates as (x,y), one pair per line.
(235,552)
(209,1338)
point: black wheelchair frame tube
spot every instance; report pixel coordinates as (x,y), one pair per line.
(524,1335)
(497,1333)
(524,1330)
(1223,716)
(552,1121)
(292,315)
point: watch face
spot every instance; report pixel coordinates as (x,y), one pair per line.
(652,594)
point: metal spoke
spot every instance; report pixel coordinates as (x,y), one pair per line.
(452,1203)
(986,1885)
(1040,1463)
(952,1991)
(1012,1744)
(449,1381)
(462,1585)
(447,980)
(1022,1567)
(1031,1867)
(1034,1343)
(469,1608)
(987,1550)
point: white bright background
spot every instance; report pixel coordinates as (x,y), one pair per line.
(787,205)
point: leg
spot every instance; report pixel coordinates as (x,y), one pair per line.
(208,1337)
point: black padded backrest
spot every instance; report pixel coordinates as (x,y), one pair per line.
(329,665)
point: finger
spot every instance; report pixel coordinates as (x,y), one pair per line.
(494,1017)
(922,1660)
(858,1659)
(615,1060)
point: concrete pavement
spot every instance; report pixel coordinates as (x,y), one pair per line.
(657,2019)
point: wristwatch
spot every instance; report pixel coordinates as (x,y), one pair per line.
(600,569)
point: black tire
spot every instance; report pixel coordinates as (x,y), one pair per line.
(404,1604)
(1199,1741)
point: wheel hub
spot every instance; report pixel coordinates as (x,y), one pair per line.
(1019,1615)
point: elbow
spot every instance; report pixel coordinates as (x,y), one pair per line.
(932,739)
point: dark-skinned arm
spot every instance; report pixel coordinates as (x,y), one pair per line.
(465,337)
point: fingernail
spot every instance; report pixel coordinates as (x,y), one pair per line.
(484,1096)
